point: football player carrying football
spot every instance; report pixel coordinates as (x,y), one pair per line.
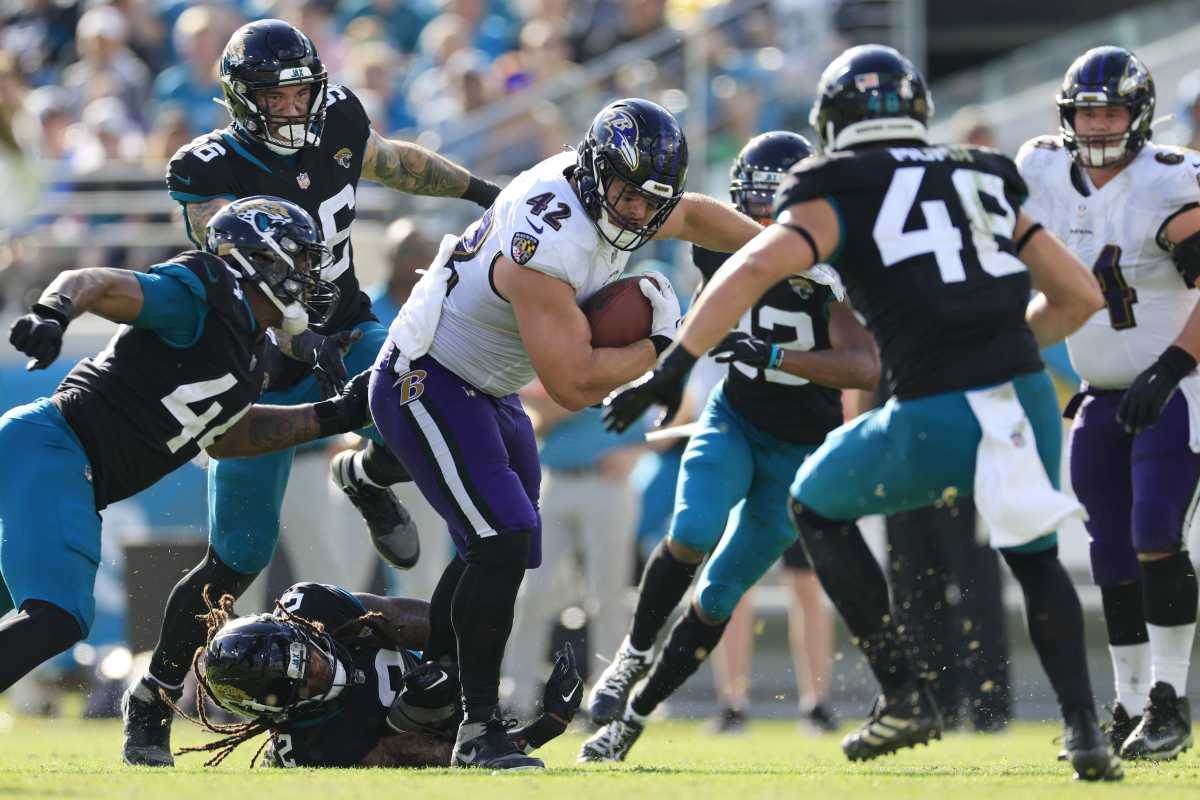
(295,135)
(180,376)
(336,679)
(1130,209)
(939,259)
(768,415)
(497,307)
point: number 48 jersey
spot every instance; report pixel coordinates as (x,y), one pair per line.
(927,257)
(1117,231)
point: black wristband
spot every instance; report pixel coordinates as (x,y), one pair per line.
(328,418)
(1176,362)
(677,361)
(55,306)
(661,343)
(1025,237)
(481,192)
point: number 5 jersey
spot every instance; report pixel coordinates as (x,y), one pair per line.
(1118,231)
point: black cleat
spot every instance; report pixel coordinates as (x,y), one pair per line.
(1086,747)
(147,727)
(729,720)
(612,742)
(486,745)
(1165,729)
(1121,726)
(892,726)
(393,531)
(611,691)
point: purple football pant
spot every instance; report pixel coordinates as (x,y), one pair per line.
(1139,490)
(473,456)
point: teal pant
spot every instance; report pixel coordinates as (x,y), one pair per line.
(245,494)
(49,528)
(732,466)
(914,453)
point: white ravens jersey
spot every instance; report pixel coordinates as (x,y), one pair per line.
(539,222)
(1117,231)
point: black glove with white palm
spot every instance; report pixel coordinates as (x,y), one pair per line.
(749,350)
(664,305)
(662,386)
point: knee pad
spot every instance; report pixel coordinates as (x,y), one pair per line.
(501,550)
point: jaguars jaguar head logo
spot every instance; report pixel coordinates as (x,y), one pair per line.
(343,156)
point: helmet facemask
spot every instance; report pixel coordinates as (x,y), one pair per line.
(617,230)
(1099,150)
(285,134)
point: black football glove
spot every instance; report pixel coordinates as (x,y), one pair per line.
(564,687)
(326,355)
(39,333)
(663,386)
(1144,401)
(749,350)
(348,411)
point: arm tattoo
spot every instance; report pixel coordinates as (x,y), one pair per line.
(198,215)
(410,168)
(267,429)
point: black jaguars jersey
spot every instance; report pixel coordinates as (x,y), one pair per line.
(142,408)
(927,257)
(793,314)
(322,180)
(342,731)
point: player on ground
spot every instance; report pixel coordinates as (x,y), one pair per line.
(770,412)
(337,680)
(179,377)
(499,307)
(933,248)
(297,136)
(1131,209)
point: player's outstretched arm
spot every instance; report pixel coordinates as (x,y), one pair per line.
(114,294)
(412,169)
(559,341)
(266,429)
(407,620)
(709,223)
(198,215)
(1067,292)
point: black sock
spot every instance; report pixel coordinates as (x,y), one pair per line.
(442,646)
(39,631)
(182,630)
(852,579)
(663,585)
(381,466)
(482,615)
(688,644)
(1055,621)
(1170,591)
(1124,614)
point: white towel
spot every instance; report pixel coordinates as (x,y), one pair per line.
(1190,387)
(1012,492)
(414,326)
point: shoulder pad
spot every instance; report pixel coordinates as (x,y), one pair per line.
(320,602)
(199,171)
(818,176)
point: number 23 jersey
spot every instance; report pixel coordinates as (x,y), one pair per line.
(1117,232)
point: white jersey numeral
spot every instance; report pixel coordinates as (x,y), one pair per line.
(781,325)
(193,425)
(335,238)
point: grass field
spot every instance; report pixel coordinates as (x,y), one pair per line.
(41,758)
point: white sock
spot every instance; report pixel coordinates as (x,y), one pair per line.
(1131,675)
(633,716)
(1171,654)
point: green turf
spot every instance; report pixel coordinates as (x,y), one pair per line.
(64,758)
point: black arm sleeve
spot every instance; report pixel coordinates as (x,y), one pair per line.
(1186,255)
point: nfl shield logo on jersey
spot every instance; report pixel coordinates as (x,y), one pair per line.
(523,247)
(303,180)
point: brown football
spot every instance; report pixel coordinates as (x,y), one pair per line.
(619,313)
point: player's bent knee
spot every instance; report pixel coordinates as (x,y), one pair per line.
(695,534)
(805,518)
(501,550)
(717,600)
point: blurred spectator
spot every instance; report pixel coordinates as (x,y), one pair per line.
(106,61)
(192,85)
(19,172)
(429,93)
(1189,104)
(401,21)
(51,106)
(373,67)
(491,33)
(610,25)
(40,33)
(968,126)
(408,249)
(105,136)
(149,31)
(170,132)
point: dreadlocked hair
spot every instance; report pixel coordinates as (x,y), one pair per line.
(235,734)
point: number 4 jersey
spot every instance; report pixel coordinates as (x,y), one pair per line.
(144,407)
(927,257)
(1117,231)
